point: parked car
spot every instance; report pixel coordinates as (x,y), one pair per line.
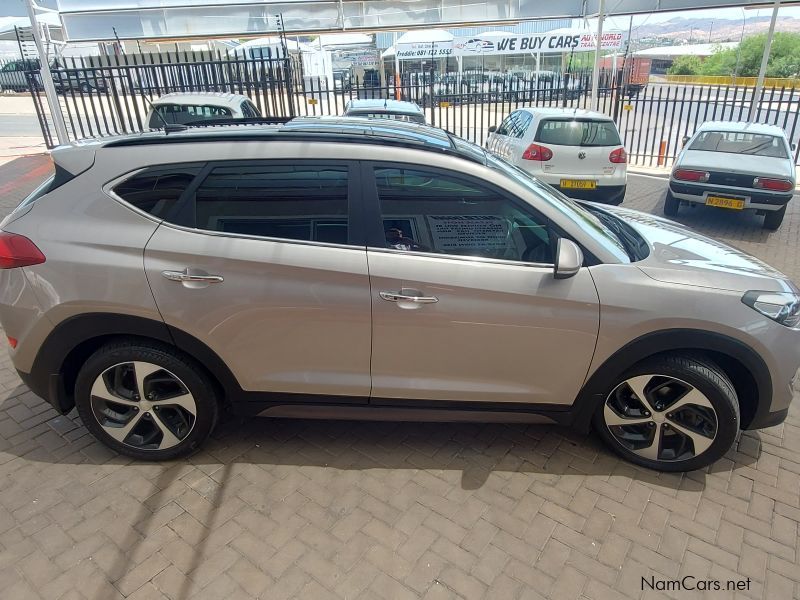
(15,75)
(79,80)
(385,109)
(735,166)
(576,151)
(340,268)
(183,108)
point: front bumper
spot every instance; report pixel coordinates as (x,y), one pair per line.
(755,199)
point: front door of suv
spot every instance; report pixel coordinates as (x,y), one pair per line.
(262,263)
(465,306)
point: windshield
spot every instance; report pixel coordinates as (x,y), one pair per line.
(577,132)
(568,207)
(737,142)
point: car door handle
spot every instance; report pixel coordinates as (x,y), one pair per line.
(398,297)
(186,277)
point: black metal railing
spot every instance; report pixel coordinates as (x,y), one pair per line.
(108,95)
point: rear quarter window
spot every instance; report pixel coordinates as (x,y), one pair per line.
(157,191)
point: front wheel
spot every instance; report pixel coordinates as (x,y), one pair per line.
(674,413)
(774,218)
(146,401)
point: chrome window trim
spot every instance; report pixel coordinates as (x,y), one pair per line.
(463,258)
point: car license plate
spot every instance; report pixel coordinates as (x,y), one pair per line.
(722,202)
(579,184)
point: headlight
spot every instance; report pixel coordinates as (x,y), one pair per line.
(782,307)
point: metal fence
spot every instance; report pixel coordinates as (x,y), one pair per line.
(110,95)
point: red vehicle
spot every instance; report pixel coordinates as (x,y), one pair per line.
(633,72)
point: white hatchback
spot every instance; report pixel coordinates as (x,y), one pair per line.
(576,151)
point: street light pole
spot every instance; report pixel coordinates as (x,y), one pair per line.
(764,59)
(596,69)
(47,78)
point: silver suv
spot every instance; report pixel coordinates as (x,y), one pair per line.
(360,269)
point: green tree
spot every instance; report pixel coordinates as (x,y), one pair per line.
(685,65)
(745,61)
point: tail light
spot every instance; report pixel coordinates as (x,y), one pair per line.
(537,152)
(618,156)
(775,185)
(12,341)
(18,251)
(690,175)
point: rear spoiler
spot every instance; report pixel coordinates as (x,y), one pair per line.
(71,160)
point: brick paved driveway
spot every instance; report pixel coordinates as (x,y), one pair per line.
(313,510)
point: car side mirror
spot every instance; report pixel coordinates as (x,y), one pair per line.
(794,147)
(684,139)
(492,128)
(569,259)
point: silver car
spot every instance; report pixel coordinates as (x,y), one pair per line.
(735,166)
(345,268)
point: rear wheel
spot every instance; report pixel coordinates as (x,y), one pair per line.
(675,413)
(671,205)
(774,218)
(149,402)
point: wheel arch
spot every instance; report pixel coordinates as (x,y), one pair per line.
(73,340)
(744,367)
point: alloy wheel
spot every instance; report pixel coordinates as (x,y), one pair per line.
(660,418)
(143,405)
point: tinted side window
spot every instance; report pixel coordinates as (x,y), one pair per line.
(282,201)
(157,191)
(523,122)
(428,211)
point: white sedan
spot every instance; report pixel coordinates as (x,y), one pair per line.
(735,166)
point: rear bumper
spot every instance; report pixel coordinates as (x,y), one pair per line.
(607,194)
(756,199)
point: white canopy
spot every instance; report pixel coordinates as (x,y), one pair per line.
(425,36)
(273,42)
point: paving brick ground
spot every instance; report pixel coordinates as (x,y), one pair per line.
(302,509)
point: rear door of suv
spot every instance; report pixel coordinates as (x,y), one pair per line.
(263,262)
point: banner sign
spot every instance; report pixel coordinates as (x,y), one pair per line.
(521,43)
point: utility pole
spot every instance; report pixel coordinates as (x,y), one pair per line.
(598,47)
(764,60)
(47,78)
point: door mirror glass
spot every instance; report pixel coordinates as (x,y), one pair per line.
(569,259)
(492,128)
(684,139)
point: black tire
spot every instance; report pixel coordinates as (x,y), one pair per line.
(704,376)
(671,205)
(774,218)
(617,199)
(199,385)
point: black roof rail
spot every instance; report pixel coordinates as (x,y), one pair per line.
(345,130)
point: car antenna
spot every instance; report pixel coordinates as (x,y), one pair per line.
(168,128)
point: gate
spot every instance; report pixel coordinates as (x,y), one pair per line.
(110,95)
